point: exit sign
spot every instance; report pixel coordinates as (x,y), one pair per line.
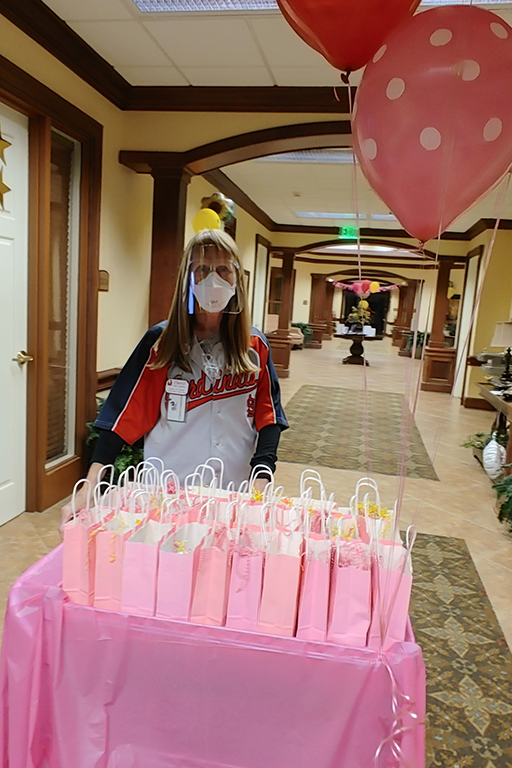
(348,233)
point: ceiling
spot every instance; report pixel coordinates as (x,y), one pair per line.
(244,48)
(283,189)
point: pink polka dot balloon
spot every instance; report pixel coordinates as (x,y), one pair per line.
(433,115)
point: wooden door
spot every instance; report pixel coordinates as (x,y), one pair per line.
(13,310)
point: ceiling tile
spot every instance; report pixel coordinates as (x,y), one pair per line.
(209,42)
(122,43)
(229,76)
(282,46)
(78,10)
(153,75)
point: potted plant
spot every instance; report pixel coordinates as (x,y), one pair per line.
(503,488)
(479,440)
(306,330)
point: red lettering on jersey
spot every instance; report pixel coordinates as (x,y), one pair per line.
(251,407)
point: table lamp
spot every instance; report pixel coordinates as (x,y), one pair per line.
(503,338)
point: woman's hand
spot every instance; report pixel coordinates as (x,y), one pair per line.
(81,496)
(260,484)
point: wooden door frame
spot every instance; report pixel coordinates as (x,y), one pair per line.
(46,110)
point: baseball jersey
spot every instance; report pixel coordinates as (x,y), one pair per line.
(222,415)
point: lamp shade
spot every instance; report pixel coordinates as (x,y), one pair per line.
(502,335)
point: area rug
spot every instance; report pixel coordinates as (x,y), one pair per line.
(468,662)
(328,428)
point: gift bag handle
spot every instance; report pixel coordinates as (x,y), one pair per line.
(306,474)
(244,487)
(124,479)
(102,471)
(170,474)
(87,499)
(188,486)
(110,498)
(252,476)
(221,469)
(149,477)
(152,461)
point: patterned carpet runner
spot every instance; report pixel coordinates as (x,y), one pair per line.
(334,427)
(468,662)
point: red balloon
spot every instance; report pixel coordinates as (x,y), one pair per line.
(365,286)
(433,115)
(346,32)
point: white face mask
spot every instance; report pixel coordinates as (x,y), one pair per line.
(213,293)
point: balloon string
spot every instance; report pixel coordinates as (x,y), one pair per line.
(355,195)
(411,396)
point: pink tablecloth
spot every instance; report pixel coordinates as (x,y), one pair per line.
(83,688)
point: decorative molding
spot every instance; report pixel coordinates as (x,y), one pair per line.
(272,99)
(364,264)
(39,22)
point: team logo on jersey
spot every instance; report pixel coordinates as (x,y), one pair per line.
(229,385)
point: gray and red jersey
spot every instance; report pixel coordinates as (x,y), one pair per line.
(223,416)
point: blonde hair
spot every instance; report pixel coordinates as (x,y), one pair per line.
(173,346)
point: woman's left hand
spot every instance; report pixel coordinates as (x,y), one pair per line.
(260,484)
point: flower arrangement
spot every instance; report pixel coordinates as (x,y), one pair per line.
(359,315)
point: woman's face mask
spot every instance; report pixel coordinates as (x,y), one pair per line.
(213,293)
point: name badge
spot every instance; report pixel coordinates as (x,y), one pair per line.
(176,391)
(177,387)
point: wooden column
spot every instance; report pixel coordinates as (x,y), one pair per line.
(169,206)
(439,367)
(407,294)
(317,308)
(281,341)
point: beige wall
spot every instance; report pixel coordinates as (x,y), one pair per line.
(495,301)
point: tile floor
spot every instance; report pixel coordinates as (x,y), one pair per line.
(461,504)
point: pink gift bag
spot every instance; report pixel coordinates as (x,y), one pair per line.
(79,552)
(117,526)
(349,603)
(140,567)
(247,568)
(178,559)
(210,589)
(391,592)
(278,609)
(245,589)
(314,598)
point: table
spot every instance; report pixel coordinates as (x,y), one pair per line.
(503,407)
(356,356)
(88,688)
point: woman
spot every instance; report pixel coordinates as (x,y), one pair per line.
(202,383)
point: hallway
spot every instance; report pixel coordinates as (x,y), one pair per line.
(461,504)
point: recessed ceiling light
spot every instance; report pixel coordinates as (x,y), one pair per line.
(164,6)
(328,215)
(331,156)
(206,6)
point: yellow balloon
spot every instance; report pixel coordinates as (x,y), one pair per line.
(364,304)
(206,219)
(374,286)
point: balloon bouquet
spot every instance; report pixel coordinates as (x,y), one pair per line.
(432,120)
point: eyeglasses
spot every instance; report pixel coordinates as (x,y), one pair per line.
(225,271)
